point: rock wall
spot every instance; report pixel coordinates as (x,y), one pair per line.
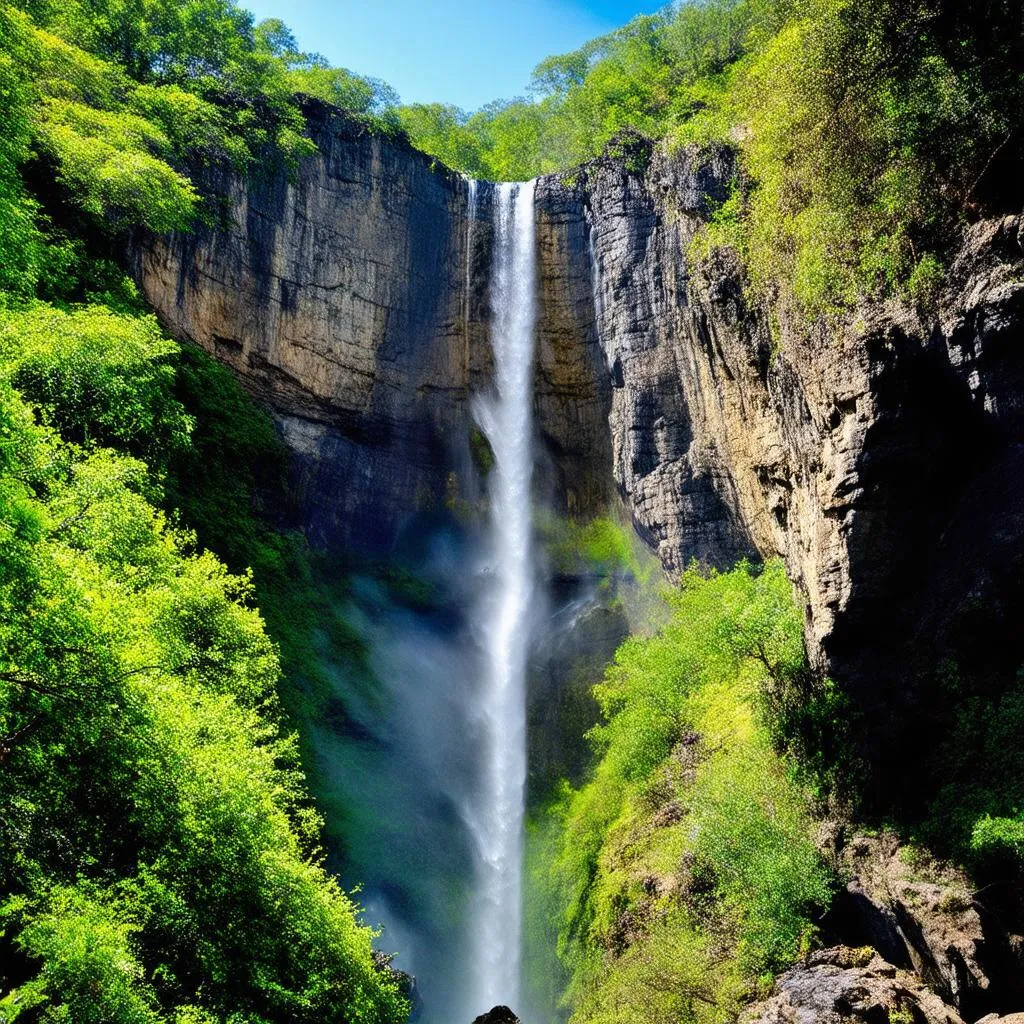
(336,297)
(880,455)
(351,299)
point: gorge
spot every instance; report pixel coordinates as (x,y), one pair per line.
(368,301)
(559,562)
(338,300)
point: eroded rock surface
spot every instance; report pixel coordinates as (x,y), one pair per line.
(881,454)
(352,300)
(840,985)
(917,911)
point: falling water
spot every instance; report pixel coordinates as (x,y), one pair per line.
(496,817)
(471,204)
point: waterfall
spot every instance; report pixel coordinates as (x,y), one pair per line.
(496,817)
(471,203)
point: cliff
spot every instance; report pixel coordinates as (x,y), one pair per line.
(351,300)
(878,453)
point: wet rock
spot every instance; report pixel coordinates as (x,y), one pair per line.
(497,1015)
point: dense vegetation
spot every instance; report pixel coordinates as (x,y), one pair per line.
(866,130)
(684,872)
(160,859)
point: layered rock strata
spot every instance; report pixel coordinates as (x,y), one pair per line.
(879,453)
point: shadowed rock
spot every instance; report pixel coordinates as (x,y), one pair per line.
(497,1015)
(846,986)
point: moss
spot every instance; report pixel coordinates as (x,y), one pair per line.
(481,451)
(600,546)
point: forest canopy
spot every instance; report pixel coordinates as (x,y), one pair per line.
(867,130)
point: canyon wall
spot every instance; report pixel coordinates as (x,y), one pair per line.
(880,454)
(351,299)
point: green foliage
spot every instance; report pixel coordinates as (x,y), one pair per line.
(645,77)
(997,837)
(848,115)
(97,376)
(866,130)
(441,130)
(685,870)
(120,102)
(158,854)
(234,453)
(600,546)
(90,972)
(107,162)
(21,248)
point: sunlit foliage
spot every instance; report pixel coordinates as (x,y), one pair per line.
(159,857)
(684,871)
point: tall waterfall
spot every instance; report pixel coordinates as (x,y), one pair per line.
(496,817)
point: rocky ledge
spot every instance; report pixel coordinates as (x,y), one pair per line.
(912,943)
(497,1015)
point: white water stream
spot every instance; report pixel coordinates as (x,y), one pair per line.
(495,816)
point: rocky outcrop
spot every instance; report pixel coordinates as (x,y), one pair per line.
(670,455)
(918,913)
(843,985)
(498,1015)
(879,453)
(336,296)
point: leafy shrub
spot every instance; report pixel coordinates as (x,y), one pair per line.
(600,545)
(685,869)
(996,837)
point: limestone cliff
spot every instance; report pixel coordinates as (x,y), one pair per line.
(879,454)
(351,298)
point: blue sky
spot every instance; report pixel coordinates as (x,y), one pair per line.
(446,51)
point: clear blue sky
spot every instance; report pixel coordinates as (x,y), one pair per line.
(465,53)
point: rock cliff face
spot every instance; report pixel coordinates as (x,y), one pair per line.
(880,455)
(352,300)
(337,297)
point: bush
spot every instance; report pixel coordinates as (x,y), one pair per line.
(685,870)
(97,376)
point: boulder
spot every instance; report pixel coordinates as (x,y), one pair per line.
(842,985)
(497,1015)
